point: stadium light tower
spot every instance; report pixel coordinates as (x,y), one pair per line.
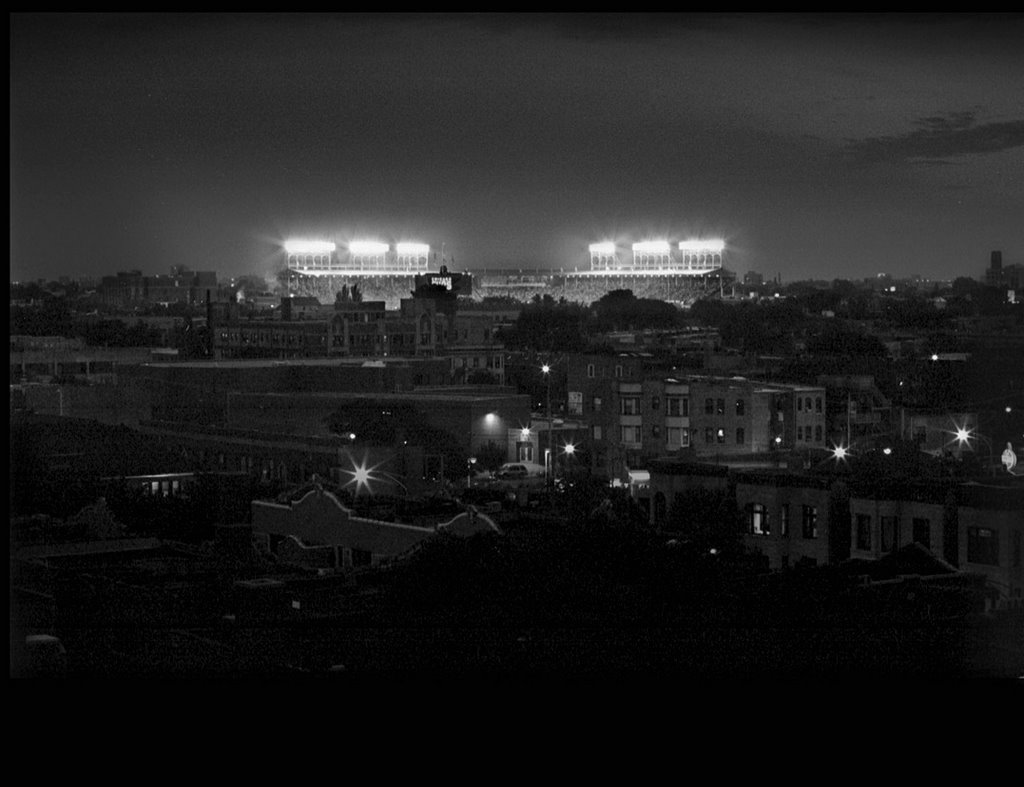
(702,254)
(412,256)
(368,254)
(652,255)
(602,256)
(309,254)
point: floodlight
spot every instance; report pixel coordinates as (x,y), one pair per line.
(413,249)
(652,247)
(308,247)
(705,246)
(367,248)
(605,249)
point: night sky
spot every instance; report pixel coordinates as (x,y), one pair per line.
(822,146)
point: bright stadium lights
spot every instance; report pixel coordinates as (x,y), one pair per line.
(603,249)
(652,247)
(367,248)
(413,249)
(308,247)
(702,246)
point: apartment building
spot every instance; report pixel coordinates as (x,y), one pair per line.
(638,409)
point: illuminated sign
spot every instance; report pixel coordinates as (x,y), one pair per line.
(442,281)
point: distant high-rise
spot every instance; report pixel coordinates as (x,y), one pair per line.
(994,274)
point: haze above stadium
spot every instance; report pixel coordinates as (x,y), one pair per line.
(824,146)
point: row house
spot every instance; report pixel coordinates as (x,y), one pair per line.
(421,327)
(800,519)
(638,409)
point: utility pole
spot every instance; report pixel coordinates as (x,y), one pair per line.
(549,456)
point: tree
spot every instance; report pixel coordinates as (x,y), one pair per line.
(708,518)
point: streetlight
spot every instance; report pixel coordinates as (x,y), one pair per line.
(546,369)
(469,471)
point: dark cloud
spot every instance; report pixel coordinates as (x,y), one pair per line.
(937,139)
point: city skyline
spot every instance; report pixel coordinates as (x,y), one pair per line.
(816,146)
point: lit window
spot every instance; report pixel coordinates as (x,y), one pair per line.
(757,520)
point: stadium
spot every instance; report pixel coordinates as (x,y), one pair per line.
(677,273)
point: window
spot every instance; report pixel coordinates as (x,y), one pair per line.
(629,405)
(817,434)
(863,538)
(655,402)
(720,435)
(677,406)
(618,371)
(709,435)
(807,404)
(922,532)
(675,437)
(709,406)
(810,522)
(799,433)
(740,435)
(983,546)
(655,431)
(630,435)
(597,433)
(784,518)
(757,520)
(890,531)
(720,406)
(817,404)
(799,403)
(741,407)
(597,404)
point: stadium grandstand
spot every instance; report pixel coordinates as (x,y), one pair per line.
(677,273)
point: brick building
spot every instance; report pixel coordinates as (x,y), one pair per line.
(638,409)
